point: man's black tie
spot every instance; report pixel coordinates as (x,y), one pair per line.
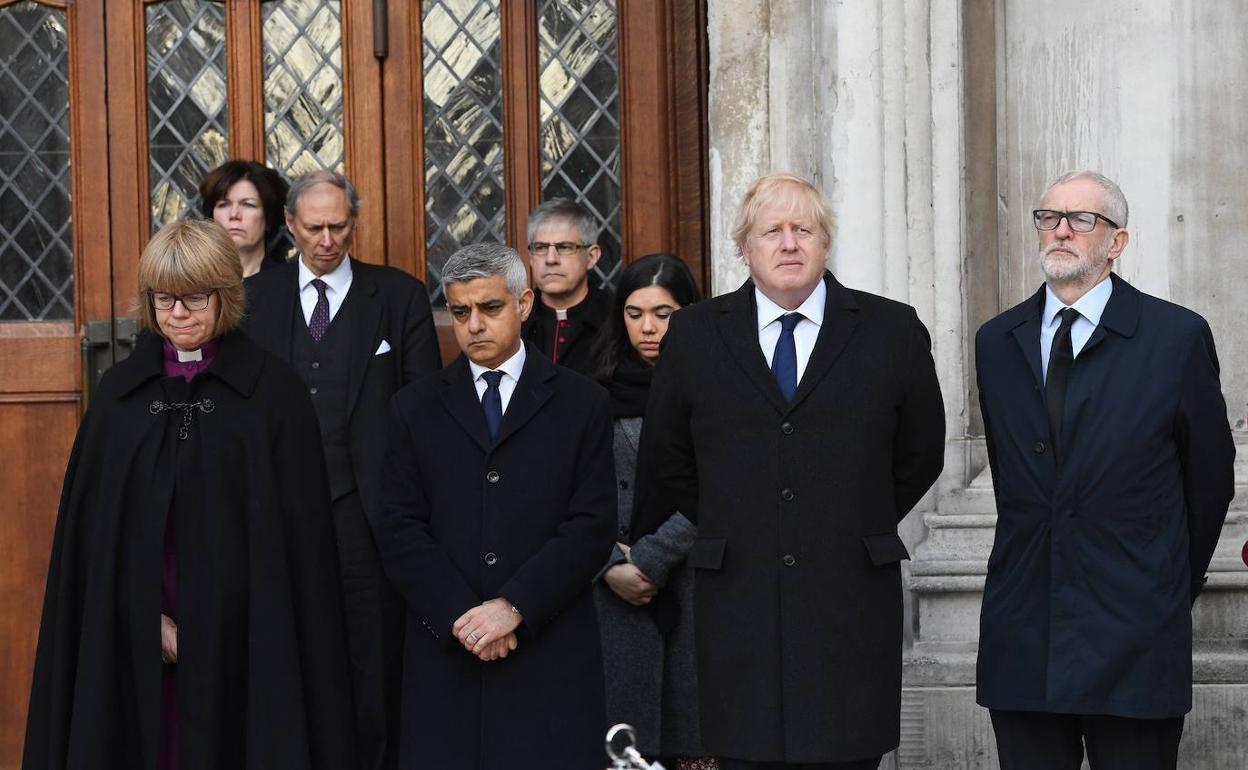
(492,401)
(1061,356)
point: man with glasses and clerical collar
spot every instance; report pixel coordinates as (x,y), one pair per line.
(568,310)
(1111,460)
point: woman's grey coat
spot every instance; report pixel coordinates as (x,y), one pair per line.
(651,678)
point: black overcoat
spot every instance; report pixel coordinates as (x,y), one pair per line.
(262,670)
(1087,606)
(392,307)
(798,603)
(530,517)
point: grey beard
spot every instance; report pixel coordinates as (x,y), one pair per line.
(1079,273)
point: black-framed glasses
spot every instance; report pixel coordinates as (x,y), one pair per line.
(1079,221)
(562,248)
(163,300)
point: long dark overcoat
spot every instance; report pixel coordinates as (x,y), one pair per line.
(262,669)
(529,517)
(798,600)
(1087,607)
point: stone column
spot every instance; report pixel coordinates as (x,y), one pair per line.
(875,100)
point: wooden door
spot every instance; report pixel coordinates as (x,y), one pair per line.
(54,274)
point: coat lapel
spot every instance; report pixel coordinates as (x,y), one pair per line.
(532,391)
(1121,316)
(365,309)
(740,335)
(1027,334)
(459,396)
(840,319)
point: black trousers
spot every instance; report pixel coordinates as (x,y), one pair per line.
(1041,741)
(374,613)
(742,764)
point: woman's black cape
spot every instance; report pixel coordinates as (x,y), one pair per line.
(262,674)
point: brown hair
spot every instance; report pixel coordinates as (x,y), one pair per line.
(189,256)
(269,184)
(770,187)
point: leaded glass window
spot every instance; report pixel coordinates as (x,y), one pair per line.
(303,85)
(36,240)
(579,86)
(186,102)
(463,111)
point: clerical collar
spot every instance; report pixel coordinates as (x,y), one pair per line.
(561,314)
(190,355)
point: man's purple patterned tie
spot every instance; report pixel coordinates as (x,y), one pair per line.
(320,314)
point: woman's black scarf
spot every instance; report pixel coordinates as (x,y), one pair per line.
(629,389)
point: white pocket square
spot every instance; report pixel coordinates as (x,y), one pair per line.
(384,347)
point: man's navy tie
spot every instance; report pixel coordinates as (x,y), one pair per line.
(320,314)
(784,361)
(1061,356)
(492,401)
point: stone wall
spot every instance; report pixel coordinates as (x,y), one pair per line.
(933,126)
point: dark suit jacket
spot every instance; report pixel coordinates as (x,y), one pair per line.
(798,600)
(529,517)
(395,308)
(1087,606)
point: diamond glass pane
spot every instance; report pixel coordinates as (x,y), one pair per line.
(463,145)
(36,240)
(186,106)
(579,85)
(303,85)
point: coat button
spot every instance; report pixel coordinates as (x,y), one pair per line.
(316,364)
(788,560)
(312,391)
(623,484)
(787,428)
(623,531)
(492,477)
(1038,447)
(491,558)
(787,495)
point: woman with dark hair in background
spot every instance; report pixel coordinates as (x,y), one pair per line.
(247,199)
(643,594)
(195,502)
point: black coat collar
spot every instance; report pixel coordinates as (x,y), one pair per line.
(1121,316)
(740,334)
(238,363)
(533,389)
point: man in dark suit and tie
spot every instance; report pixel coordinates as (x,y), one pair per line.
(796,421)
(1111,461)
(356,333)
(498,510)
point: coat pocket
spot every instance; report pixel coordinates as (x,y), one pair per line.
(885,548)
(707,553)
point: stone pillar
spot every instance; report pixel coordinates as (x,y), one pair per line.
(875,101)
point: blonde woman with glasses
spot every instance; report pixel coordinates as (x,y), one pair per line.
(188,499)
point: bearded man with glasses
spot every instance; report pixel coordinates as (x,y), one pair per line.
(568,309)
(1111,459)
